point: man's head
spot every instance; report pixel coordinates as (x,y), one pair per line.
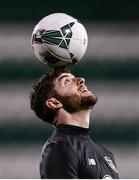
(60,90)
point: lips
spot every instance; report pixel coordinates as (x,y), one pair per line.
(83,89)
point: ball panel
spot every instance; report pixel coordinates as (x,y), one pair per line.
(53,61)
(59,52)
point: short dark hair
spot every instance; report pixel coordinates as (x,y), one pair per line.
(41,91)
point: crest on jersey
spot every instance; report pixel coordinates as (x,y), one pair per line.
(110,163)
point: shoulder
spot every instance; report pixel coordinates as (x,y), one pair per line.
(59,146)
(58,160)
(59,154)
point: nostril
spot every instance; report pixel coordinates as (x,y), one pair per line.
(81,81)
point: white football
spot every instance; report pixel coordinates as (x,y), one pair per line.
(59,40)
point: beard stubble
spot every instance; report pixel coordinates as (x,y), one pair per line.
(75,103)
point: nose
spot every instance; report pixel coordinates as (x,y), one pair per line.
(80,81)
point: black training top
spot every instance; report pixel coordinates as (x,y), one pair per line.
(70,153)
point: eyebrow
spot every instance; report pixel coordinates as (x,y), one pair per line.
(63,76)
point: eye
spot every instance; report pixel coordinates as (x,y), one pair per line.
(66,81)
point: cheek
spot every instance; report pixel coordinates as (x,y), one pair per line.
(68,91)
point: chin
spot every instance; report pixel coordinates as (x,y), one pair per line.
(88,101)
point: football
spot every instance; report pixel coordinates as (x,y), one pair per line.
(59,40)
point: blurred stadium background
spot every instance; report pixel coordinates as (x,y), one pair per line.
(111,67)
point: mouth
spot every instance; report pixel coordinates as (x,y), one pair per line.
(84,90)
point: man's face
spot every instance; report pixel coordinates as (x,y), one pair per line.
(72,92)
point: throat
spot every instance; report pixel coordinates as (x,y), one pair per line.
(80,118)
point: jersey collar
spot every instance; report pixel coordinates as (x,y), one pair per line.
(70,129)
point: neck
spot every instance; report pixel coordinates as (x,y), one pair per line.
(80,118)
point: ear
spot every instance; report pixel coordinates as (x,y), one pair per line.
(53,103)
